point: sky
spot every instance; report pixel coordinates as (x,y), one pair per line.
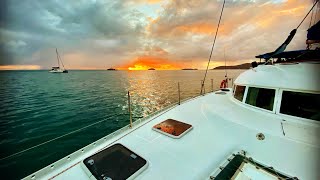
(139,34)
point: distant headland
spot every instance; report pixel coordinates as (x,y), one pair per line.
(240,66)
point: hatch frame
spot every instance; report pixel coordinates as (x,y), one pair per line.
(131,177)
(174,124)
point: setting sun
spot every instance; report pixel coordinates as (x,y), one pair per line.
(138,67)
(147,62)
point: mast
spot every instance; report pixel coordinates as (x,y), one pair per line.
(58,57)
(59,60)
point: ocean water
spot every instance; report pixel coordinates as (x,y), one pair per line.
(37,106)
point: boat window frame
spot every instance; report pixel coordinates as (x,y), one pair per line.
(275,100)
(287,116)
(244,93)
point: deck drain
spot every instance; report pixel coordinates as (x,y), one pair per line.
(260,136)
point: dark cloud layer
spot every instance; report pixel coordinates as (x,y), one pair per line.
(102,33)
(30,26)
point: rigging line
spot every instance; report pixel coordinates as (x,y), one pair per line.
(315,16)
(46,142)
(58,57)
(311,18)
(61,62)
(308,13)
(214,41)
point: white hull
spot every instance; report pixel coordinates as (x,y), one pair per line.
(222,125)
(58,71)
(219,130)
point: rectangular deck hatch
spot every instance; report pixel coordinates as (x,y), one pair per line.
(240,167)
(172,128)
(115,162)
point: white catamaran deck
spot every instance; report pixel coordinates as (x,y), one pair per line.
(221,126)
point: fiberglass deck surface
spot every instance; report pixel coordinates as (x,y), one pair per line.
(220,127)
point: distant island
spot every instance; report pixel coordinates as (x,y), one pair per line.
(111,69)
(240,66)
(190,69)
(151,69)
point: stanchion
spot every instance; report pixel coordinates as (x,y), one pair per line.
(129,109)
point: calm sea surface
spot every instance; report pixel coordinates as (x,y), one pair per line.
(37,106)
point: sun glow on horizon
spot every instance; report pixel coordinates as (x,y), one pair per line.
(138,67)
(157,62)
(20,67)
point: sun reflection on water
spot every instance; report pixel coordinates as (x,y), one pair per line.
(149,93)
(154,90)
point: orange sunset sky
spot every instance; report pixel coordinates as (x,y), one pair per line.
(140,34)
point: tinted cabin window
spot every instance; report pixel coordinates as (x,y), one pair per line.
(305,105)
(239,92)
(261,97)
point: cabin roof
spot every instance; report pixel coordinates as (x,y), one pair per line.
(283,75)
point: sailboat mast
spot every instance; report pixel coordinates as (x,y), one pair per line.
(58,57)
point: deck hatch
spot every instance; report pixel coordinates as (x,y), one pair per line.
(241,167)
(172,128)
(115,162)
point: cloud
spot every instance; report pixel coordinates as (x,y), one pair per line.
(104,33)
(17,44)
(144,1)
(72,26)
(248,28)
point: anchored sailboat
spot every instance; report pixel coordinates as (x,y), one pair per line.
(58,69)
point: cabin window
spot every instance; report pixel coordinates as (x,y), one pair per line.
(305,105)
(261,97)
(239,92)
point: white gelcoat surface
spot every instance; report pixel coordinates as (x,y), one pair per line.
(221,126)
(302,76)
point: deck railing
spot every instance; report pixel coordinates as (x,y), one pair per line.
(132,125)
(202,93)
